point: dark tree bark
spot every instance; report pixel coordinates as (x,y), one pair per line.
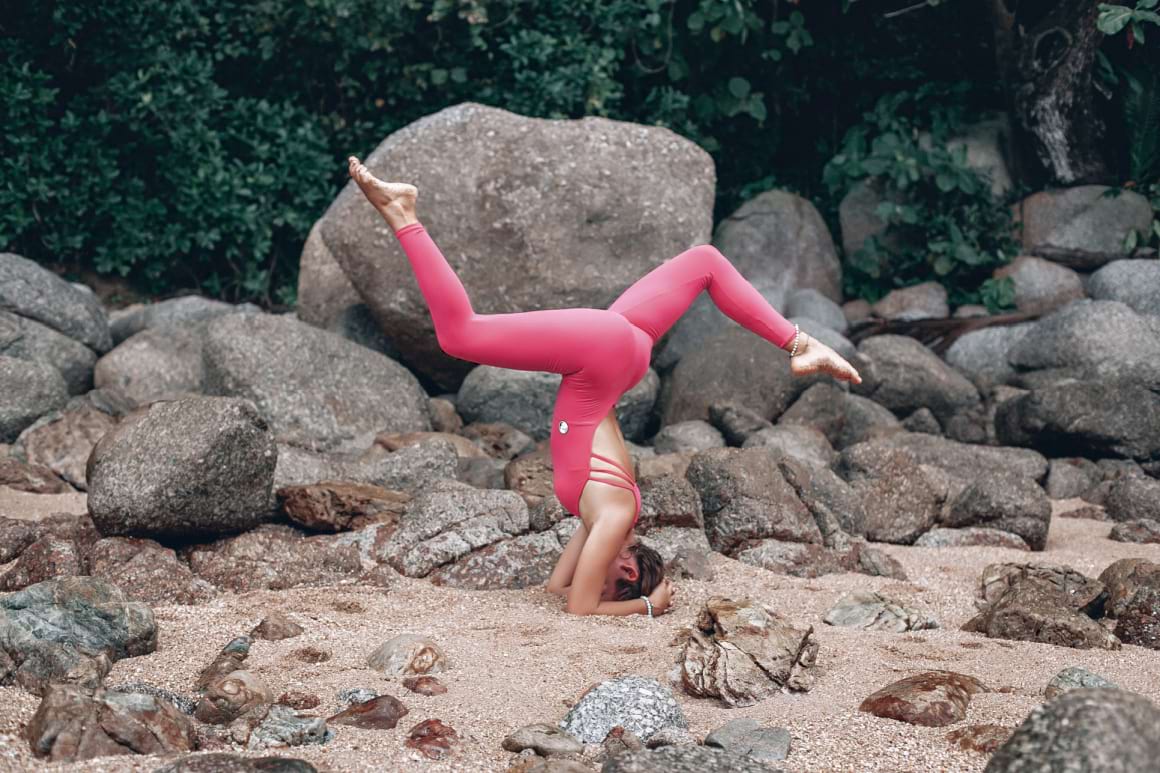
(1045,51)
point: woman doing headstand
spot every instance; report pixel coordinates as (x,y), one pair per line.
(601,354)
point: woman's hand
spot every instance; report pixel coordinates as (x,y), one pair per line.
(813,356)
(663,596)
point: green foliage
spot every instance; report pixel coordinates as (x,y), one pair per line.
(1114,18)
(942,220)
(190,144)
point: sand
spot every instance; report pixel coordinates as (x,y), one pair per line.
(517,658)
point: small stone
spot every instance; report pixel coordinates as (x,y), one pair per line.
(381,713)
(932,699)
(1074,678)
(424,685)
(434,739)
(276,626)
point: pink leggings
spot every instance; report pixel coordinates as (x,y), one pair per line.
(601,353)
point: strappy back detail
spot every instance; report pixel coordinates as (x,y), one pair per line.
(628,483)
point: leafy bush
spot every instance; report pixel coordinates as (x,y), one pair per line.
(189,144)
(942,220)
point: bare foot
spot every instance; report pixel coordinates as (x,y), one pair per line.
(816,357)
(394,201)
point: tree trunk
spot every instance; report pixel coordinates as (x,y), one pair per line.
(1045,52)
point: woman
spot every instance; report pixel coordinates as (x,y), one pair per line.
(601,354)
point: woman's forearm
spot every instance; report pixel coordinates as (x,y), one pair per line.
(630,607)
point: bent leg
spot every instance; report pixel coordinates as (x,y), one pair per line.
(659,298)
(553,340)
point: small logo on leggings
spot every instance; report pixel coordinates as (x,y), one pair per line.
(563,427)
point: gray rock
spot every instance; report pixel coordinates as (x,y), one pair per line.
(1078,336)
(406,654)
(669,500)
(1075,678)
(545,740)
(181,312)
(641,705)
(155,364)
(410,468)
(275,556)
(316,389)
(737,422)
(745,497)
(1145,530)
(780,238)
(1090,418)
(803,444)
(904,375)
(687,437)
(747,737)
(922,420)
(962,460)
(449,520)
(352,696)
(794,559)
(871,611)
(523,561)
(195,466)
(1131,498)
(919,301)
(900,500)
(283,726)
(971,536)
(34,292)
(1134,282)
(809,302)
(863,419)
(1069,477)
(70,629)
(1080,226)
(1084,730)
(1041,285)
(703,322)
(26,339)
(563,240)
(30,389)
(734,365)
(981,355)
(822,407)
(834,505)
(1009,502)
(1031,611)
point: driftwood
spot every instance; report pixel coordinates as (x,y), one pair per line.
(937,333)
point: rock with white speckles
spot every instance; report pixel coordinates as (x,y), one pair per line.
(408,653)
(638,704)
(874,612)
(685,759)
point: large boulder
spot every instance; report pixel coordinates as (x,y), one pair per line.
(1008,501)
(745,497)
(30,390)
(195,466)
(158,363)
(981,355)
(1040,285)
(185,311)
(1087,336)
(316,389)
(736,366)
(575,211)
(1088,730)
(34,292)
(27,339)
(1117,418)
(778,239)
(902,374)
(1080,226)
(1134,282)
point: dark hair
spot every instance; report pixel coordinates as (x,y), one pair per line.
(650,571)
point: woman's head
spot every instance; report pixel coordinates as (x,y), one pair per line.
(635,572)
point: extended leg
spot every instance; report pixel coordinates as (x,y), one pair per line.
(553,340)
(658,299)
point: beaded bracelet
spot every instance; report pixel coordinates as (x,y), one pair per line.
(648,604)
(796,333)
